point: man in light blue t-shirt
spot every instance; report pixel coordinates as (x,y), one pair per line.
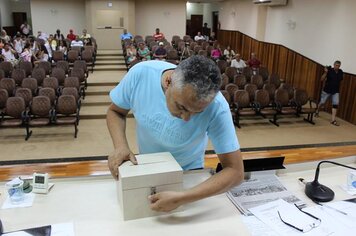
(125,35)
(176,110)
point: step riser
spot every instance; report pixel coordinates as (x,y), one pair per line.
(110,69)
(111,64)
(103,84)
(100,116)
(97,93)
(96,104)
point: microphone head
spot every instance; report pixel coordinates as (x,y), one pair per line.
(318,192)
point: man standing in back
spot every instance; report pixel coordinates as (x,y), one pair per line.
(332,77)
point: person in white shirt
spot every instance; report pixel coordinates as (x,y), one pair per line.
(8,54)
(229,54)
(42,35)
(25,28)
(199,37)
(238,63)
(18,43)
(77,42)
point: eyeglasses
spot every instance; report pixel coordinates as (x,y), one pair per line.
(309,227)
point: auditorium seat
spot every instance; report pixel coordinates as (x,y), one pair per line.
(231,89)
(46,66)
(240,81)
(262,105)
(24,93)
(58,56)
(224,81)
(263,71)
(39,74)
(89,58)
(81,64)
(74,92)
(222,64)
(242,105)
(301,99)
(274,79)
(251,89)
(64,65)
(9,85)
(32,84)
(257,80)
(26,66)
(271,88)
(231,72)
(50,93)
(80,74)
(2,74)
(41,113)
(6,67)
(60,74)
(289,89)
(67,112)
(247,72)
(51,82)
(3,98)
(74,83)
(172,57)
(283,103)
(18,75)
(73,55)
(14,114)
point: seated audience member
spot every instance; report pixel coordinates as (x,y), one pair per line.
(42,35)
(18,43)
(216,53)
(71,35)
(88,42)
(58,36)
(77,42)
(4,36)
(26,54)
(143,52)
(63,48)
(158,36)
(238,63)
(199,37)
(42,55)
(125,35)
(229,54)
(85,37)
(160,53)
(52,42)
(212,38)
(8,54)
(131,53)
(254,62)
(25,28)
(2,44)
(34,46)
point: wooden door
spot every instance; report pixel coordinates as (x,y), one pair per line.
(196,24)
(215,22)
(19,18)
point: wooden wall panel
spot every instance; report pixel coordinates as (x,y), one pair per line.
(294,68)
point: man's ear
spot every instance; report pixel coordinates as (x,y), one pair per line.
(167,81)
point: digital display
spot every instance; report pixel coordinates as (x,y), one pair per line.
(40,179)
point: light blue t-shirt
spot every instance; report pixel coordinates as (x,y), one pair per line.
(159,131)
(126,36)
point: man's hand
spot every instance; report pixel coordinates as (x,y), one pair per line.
(117,157)
(166,201)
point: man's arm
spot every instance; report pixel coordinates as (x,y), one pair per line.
(323,77)
(231,175)
(116,122)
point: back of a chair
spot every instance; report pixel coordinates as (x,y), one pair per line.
(152,44)
(224,81)
(301,97)
(197,48)
(231,72)
(262,98)
(50,82)
(73,55)
(40,106)
(15,106)
(181,45)
(2,74)
(71,91)
(257,80)
(24,93)
(209,49)
(87,56)
(263,71)
(281,96)
(222,64)
(26,66)
(247,71)
(231,89)
(242,98)
(205,45)
(58,56)
(48,92)
(271,88)
(79,73)
(46,65)
(4,95)
(80,64)
(172,55)
(251,89)
(203,53)
(226,95)
(192,45)
(66,105)
(138,38)
(289,88)
(7,67)
(18,75)
(274,79)
(77,48)
(39,74)
(240,81)
(186,38)
(60,74)
(149,38)
(72,82)
(30,83)
(8,84)
(169,48)
(64,65)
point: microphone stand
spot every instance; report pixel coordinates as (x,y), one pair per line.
(318,192)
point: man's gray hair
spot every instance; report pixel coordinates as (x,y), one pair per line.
(200,72)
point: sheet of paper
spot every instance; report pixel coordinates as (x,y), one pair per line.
(349,208)
(345,188)
(268,213)
(63,229)
(28,201)
(257,227)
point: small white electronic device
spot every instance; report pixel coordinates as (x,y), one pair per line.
(40,183)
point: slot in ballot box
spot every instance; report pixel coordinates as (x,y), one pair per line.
(154,173)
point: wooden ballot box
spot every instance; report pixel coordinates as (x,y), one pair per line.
(154,173)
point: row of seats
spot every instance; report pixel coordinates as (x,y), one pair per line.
(43,110)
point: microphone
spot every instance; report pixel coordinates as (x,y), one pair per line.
(318,192)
